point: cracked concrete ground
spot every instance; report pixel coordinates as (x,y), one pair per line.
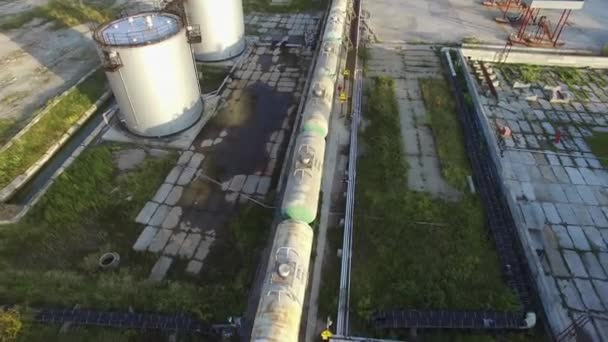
(560,188)
(452,20)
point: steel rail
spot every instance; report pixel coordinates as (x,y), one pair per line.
(342,324)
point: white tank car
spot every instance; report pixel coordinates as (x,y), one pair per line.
(151,71)
(222,28)
(280,308)
(315,118)
(301,198)
(327,64)
(336,22)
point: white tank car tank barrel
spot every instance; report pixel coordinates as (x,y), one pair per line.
(336,23)
(222,28)
(301,198)
(327,64)
(316,117)
(282,299)
(151,71)
(318,107)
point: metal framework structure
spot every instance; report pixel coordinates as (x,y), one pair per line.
(504,7)
(546,34)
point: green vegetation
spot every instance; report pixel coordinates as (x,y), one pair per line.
(605,50)
(10,324)
(62,13)
(212,77)
(412,250)
(230,278)
(330,282)
(26,150)
(7,129)
(599,146)
(574,78)
(295,6)
(50,258)
(447,131)
(45,333)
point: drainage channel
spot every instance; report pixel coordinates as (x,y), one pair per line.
(502,228)
(44,175)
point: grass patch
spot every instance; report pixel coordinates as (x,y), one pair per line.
(49,259)
(574,78)
(599,146)
(212,77)
(7,130)
(44,333)
(295,6)
(62,13)
(447,131)
(231,277)
(26,150)
(411,250)
(330,281)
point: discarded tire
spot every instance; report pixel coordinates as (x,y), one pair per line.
(109,260)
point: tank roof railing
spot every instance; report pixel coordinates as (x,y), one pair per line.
(145,36)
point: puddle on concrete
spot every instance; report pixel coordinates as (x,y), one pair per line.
(250,122)
(265,62)
(196,194)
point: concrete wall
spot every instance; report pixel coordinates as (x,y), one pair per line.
(534,56)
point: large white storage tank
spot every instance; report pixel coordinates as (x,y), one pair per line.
(151,70)
(222,28)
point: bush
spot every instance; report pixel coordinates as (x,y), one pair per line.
(10,324)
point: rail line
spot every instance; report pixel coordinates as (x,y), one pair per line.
(342,324)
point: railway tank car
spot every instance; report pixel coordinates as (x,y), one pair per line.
(301,199)
(317,111)
(280,310)
(329,55)
(318,107)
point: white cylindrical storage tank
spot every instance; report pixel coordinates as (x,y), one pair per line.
(152,73)
(222,28)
